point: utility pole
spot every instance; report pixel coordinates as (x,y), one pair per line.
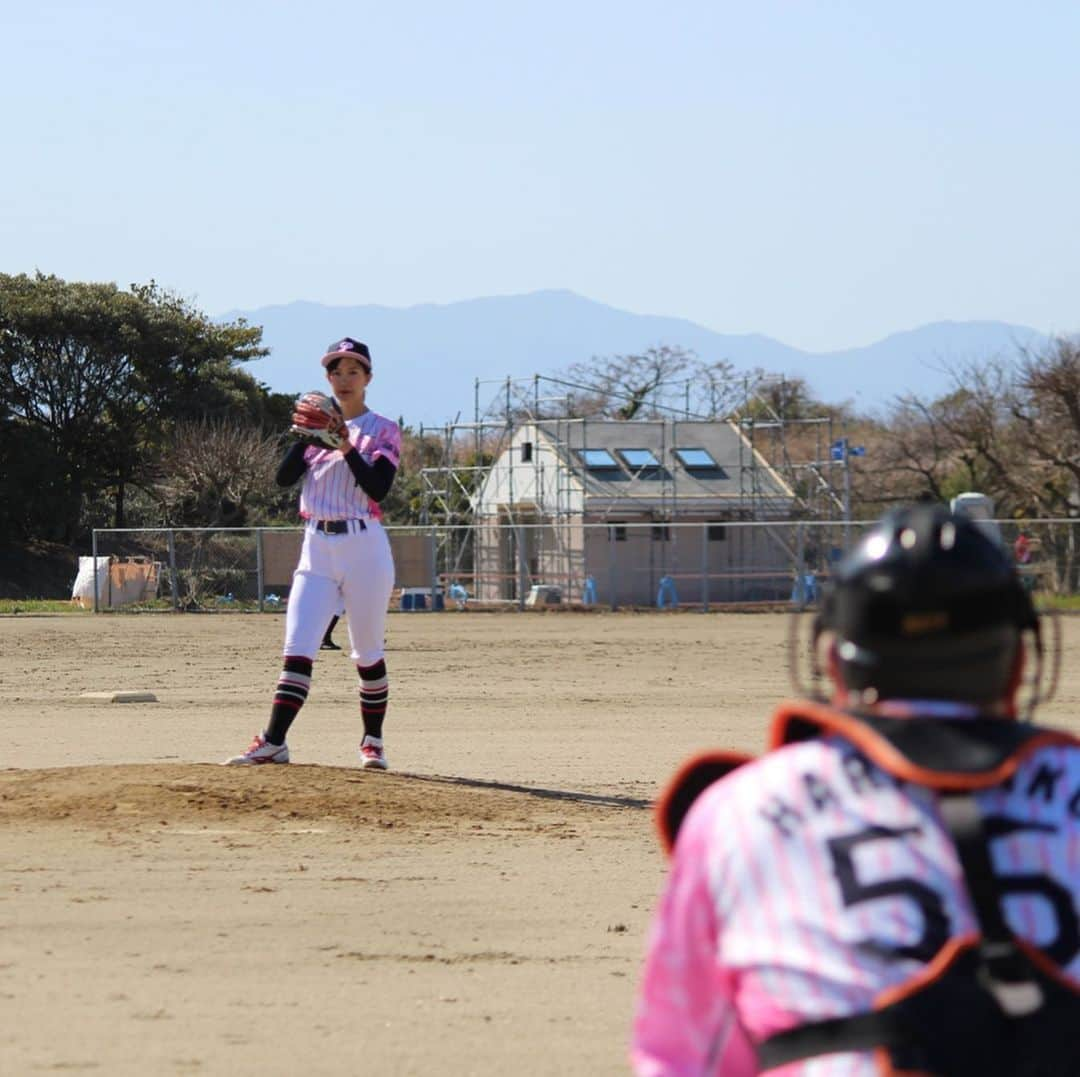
(842,451)
(847,496)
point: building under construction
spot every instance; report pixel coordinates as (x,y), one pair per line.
(678,508)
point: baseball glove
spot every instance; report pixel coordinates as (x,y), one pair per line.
(317,419)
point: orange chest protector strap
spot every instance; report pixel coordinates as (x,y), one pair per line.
(692,779)
(950,756)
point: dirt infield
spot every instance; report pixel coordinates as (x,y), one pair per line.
(481,909)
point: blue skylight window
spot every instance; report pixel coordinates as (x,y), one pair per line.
(638,458)
(696,459)
(597,459)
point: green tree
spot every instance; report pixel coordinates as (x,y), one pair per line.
(33,485)
(102,375)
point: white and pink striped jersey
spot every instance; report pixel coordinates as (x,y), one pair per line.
(808,881)
(329,490)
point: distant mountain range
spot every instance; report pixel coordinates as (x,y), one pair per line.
(428,358)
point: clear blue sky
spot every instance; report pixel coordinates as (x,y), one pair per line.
(822,172)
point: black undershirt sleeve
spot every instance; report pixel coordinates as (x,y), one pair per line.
(374,479)
(292,465)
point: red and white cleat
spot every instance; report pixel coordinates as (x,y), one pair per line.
(261,751)
(372,756)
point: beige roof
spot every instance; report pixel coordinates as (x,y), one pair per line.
(741,476)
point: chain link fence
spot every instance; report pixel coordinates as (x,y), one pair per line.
(510,564)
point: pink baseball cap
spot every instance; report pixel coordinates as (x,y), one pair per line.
(350,347)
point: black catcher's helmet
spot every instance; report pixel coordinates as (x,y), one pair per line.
(927,606)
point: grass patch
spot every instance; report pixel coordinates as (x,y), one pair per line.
(39,605)
(209,604)
(1061,603)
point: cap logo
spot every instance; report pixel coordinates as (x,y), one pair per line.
(920,624)
(348,346)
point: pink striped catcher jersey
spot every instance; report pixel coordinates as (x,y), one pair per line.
(329,490)
(809,881)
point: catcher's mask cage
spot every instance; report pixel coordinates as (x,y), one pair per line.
(928,606)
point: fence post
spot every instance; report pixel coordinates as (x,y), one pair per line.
(93,553)
(259,565)
(800,592)
(174,587)
(611,565)
(433,568)
(705,568)
(522,564)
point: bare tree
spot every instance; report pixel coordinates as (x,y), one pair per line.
(1046,408)
(1045,404)
(625,385)
(218,474)
(660,381)
(965,440)
(778,397)
(1008,429)
(913,456)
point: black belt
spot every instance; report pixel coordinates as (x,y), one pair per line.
(337,527)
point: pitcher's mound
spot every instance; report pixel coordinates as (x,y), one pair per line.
(133,796)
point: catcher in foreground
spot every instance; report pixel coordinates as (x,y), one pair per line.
(893,889)
(347,456)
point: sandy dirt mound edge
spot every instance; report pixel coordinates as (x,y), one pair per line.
(108,796)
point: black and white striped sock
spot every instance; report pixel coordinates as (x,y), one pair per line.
(292,690)
(374,693)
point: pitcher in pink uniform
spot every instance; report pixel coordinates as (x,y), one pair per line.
(345,561)
(893,888)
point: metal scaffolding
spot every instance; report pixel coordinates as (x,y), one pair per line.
(536,510)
